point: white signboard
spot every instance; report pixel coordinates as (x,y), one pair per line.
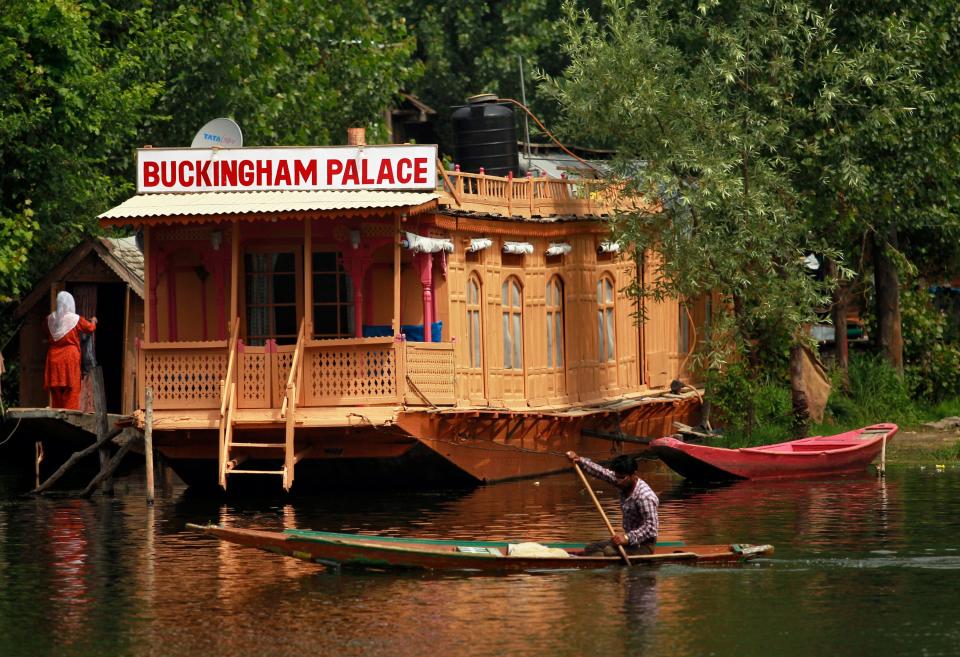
(399,168)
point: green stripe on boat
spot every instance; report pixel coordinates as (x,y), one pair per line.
(310,535)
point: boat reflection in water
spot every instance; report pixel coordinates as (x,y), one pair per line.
(815,513)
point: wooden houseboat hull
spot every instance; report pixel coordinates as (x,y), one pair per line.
(377,552)
(421,447)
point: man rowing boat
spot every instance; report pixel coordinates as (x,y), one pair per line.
(638,506)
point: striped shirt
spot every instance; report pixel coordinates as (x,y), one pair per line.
(641,524)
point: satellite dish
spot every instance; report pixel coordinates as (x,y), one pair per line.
(221,133)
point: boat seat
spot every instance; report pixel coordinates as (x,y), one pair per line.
(822,447)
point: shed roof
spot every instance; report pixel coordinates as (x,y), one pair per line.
(178,207)
(122,255)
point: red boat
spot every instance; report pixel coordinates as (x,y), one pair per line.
(821,455)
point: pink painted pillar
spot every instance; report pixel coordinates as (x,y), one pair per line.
(357,262)
(425,264)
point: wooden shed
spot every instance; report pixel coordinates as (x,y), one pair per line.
(105,276)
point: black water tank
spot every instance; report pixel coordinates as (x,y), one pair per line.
(485,135)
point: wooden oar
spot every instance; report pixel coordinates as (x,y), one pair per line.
(596,502)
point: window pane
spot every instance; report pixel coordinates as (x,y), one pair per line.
(549,336)
(558,320)
(284,262)
(505,294)
(600,292)
(324,321)
(257,325)
(256,262)
(325,288)
(602,334)
(507,343)
(611,345)
(516,294)
(285,320)
(477,341)
(346,288)
(549,294)
(258,289)
(324,261)
(284,288)
(517,342)
(609,288)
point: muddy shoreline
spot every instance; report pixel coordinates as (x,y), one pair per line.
(923,445)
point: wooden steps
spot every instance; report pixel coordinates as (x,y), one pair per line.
(230,418)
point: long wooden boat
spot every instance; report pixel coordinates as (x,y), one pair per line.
(820,455)
(384,552)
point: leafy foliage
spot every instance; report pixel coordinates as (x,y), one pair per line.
(71,105)
(931,351)
(290,73)
(756,132)
(469,48)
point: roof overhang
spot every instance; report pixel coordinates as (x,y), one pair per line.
(199,207)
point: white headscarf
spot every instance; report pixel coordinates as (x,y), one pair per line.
(64,318)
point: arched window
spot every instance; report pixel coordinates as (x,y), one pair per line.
(512,300)
(474,331)
(605,319)
(555,323)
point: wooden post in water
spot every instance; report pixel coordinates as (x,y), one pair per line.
(882,470)
(100,409)
(38,454)
(148,442)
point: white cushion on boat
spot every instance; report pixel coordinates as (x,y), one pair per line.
(535,550)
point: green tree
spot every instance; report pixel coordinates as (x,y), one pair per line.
(290,73)
(721,112)
(70,106)
(469,48)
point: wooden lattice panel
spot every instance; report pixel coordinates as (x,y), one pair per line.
(349,374)
(431,372)
(187,378)
(282,359)
(253,376)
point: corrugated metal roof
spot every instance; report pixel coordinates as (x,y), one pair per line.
(213,203)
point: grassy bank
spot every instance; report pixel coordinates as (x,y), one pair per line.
(874,393)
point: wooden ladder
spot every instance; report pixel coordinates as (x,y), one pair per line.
(228,464)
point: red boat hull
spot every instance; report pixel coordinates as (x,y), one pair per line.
(809,457)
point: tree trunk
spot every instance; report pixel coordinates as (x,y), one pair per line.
(838,312)
(801,411)
(886,279)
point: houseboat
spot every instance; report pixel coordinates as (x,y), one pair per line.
(362,312)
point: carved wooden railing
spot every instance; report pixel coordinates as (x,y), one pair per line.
(528,197)
(228,402)
(430,374)
(311,374)
(288,410)
(352,372)
(183,375)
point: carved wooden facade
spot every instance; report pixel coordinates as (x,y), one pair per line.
(546,331)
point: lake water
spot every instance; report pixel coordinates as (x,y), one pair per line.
(863,566)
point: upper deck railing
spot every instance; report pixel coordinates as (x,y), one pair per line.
(527,197)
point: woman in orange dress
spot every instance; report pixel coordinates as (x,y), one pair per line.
(62,374)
